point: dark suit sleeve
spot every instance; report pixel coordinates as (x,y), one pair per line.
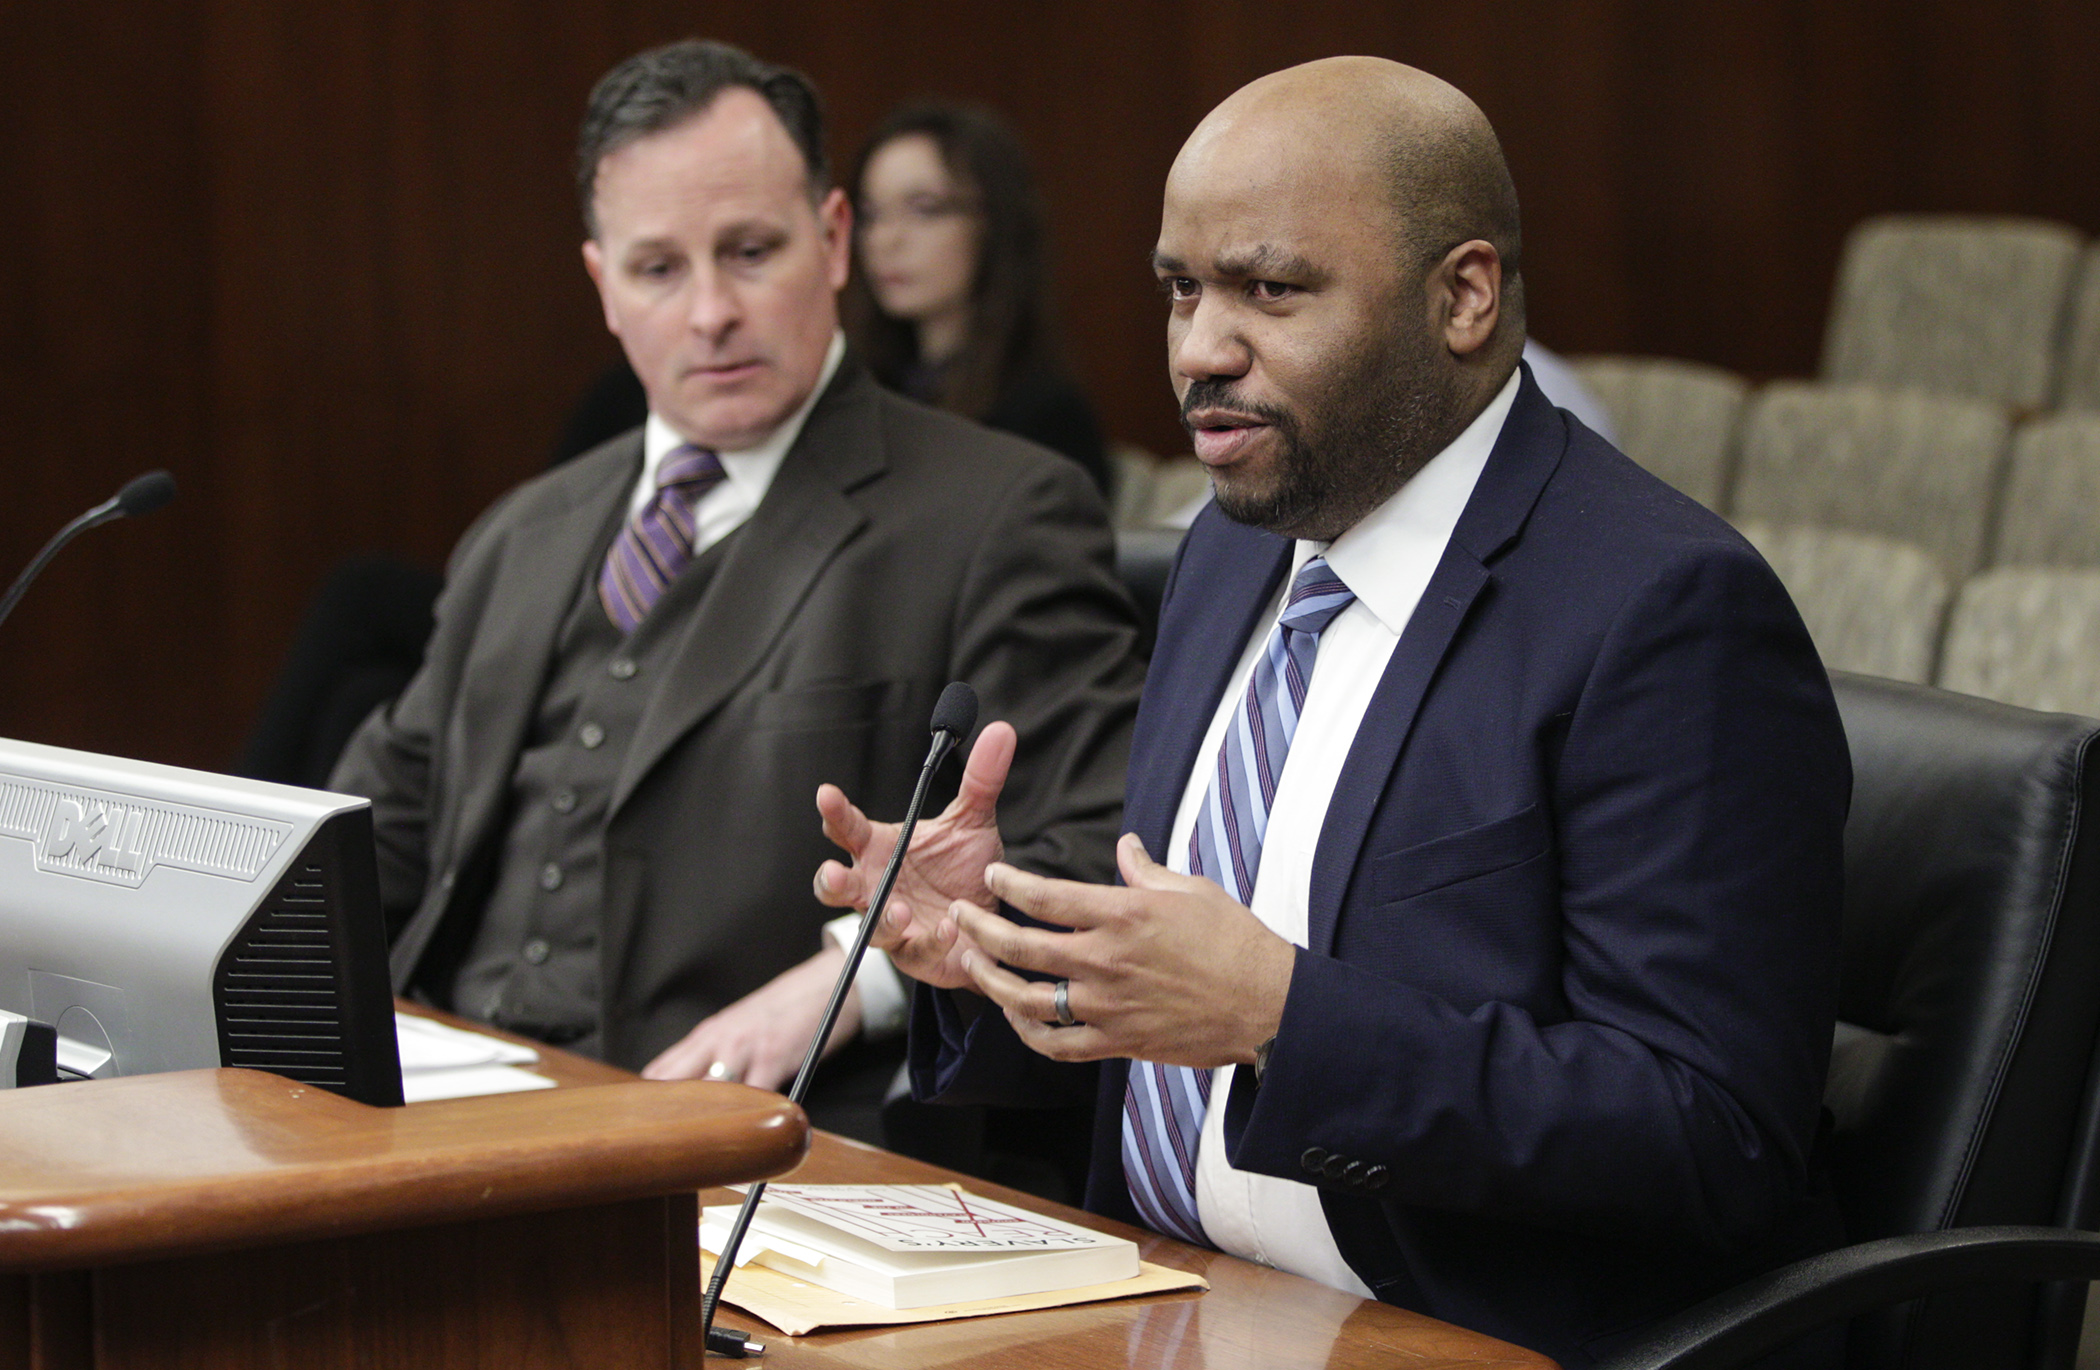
(1697,798)
(1047,635)
(388,760)
(1041,605)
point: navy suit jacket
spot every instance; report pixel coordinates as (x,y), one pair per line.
(1555,1052)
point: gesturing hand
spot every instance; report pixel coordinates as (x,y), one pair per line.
(946,863)
(1169,968)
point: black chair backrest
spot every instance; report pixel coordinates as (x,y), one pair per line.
(1144,560)
(1970,992)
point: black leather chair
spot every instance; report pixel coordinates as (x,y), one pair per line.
(359,644)
(1144,560)
(1963,1073)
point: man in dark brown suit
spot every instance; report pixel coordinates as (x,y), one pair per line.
(595,802)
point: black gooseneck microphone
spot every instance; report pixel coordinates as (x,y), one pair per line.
(953,717)
(142,495)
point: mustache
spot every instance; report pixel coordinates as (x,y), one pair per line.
(1217,394)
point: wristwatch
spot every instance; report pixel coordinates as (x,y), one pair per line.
(1261,1058)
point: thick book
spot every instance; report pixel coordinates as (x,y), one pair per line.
(912,1246)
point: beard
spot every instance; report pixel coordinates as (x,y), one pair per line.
(1376,419)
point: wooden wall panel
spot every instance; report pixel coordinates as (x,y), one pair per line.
(104,334)
(321,261)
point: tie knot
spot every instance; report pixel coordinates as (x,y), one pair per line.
(687,466)
(1317,595)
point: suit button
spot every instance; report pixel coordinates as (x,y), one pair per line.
(1334,1167)
(1376,1178)
(550,877)
(1354,1172)
(537,951)
(1313,1159)
(564,800)
(591,736)
(621,668)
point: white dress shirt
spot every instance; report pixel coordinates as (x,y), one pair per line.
(1387,560)
(721,511)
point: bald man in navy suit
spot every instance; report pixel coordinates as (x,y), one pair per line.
(1476,942)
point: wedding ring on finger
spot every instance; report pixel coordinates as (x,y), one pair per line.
(1061,999)
(720,1070)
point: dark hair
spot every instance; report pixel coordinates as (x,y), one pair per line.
(655,90)
(1011,331)
(1451,186)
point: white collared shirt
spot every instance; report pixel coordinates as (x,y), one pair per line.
(721,511)
(749,473)
(1386,559)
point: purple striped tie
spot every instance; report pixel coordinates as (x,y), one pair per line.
(657,543)
(1163,1106)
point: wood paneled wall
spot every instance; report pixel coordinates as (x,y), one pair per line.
(321,260)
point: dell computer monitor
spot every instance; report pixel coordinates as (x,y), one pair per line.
(168,919)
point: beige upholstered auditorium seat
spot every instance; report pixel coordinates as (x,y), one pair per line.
(2027,636)
(1178,491)
(1899,463)
(1954,304)
(2050,515)
(1132,471)
(1872,604)
(2078,379)
(1676,418)
(1155,492)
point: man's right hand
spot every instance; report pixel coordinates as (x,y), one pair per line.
(946,863)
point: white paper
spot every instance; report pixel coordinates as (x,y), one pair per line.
(430,1045)
(468,1081)
(716,1226)
(439,1061)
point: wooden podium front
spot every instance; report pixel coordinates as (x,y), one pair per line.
(229,1219)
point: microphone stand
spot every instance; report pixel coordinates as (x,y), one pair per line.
(140,496)
(729,1341)
(93,518)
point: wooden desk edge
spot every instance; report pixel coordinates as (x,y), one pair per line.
(371,1169)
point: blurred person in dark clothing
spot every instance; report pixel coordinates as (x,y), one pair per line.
(950,303)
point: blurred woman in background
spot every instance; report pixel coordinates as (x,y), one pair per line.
(951,301)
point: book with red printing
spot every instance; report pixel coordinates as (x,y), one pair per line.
(912,1246)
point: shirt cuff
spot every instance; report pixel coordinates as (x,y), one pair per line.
(882,997)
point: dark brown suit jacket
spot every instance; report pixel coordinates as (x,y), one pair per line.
(898,548)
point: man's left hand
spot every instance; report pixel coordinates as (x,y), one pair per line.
(761,1038)
(1165,968)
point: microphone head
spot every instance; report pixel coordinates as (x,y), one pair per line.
(956,713)
(144,494)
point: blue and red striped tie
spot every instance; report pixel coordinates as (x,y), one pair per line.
(1163,1106)
(657,543)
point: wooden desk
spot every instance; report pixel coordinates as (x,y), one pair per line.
(229,1218)
(1252,1316)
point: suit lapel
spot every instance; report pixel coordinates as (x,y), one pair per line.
(542,569)
(1525,455)
(1391,715)
(1228,576)
(779,552)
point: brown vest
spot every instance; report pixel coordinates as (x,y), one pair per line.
(533,965)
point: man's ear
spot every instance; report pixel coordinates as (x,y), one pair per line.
(835,221)
(594,267)
(1466,293)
